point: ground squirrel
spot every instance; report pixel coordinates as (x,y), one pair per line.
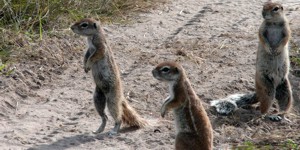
(109,91)
(272,67)
(193,127)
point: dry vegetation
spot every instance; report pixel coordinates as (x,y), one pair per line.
(295,56)
(35,36)
(244,124)
(26,23)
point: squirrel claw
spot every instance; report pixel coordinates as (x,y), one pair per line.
(277,118)
(86,69)
(101,129)
(163,111)
(274,118)
(96,132)
(111,133)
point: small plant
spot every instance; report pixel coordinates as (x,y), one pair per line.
(2,67)
(5,71)
(34,19)
(248,145)
(290,145)
(295,60)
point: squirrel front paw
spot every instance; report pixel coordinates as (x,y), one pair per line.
(165,107)
(276,51)
(269,50)
(86,68)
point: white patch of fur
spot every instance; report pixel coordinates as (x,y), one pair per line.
(226,105)
(235,97)
(90,44)
(171,86)
(231,98)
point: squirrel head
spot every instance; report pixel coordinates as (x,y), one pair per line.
(167,71)
(272,12)
(86,27)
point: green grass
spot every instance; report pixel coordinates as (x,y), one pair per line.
(290,144)
(286,145)
(295,60)
(29,21)
(39,15)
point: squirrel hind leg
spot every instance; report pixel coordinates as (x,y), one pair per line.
(116,128)
(224,107)
(102,126)
(114,107)
(284,96)
(186,141)
(100,102)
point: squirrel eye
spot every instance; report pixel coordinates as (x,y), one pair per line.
(276,9)
(165,69)
(84,24)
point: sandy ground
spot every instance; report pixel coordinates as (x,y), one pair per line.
(47,103)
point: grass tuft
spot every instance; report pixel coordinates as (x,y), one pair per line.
(24,23)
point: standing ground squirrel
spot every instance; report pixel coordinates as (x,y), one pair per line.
(193,127)
(272,67)
(109,91)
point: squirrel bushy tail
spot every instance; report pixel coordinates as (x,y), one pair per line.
(131,117)
(232,102)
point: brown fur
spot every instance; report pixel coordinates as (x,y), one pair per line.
(272,68)
(272,64)
(109,91)
(193,127)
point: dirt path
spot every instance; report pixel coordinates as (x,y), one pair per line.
(215,40)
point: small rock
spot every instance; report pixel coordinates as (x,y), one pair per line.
(181,53)
(157,130)
(73,118)
(80,113)
(40,77)
(21,93)
(70,123)
(54,132)
(186,12)
(72,130)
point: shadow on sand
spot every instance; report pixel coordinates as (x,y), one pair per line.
(76,140)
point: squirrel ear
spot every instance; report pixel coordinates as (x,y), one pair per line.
(95,25)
